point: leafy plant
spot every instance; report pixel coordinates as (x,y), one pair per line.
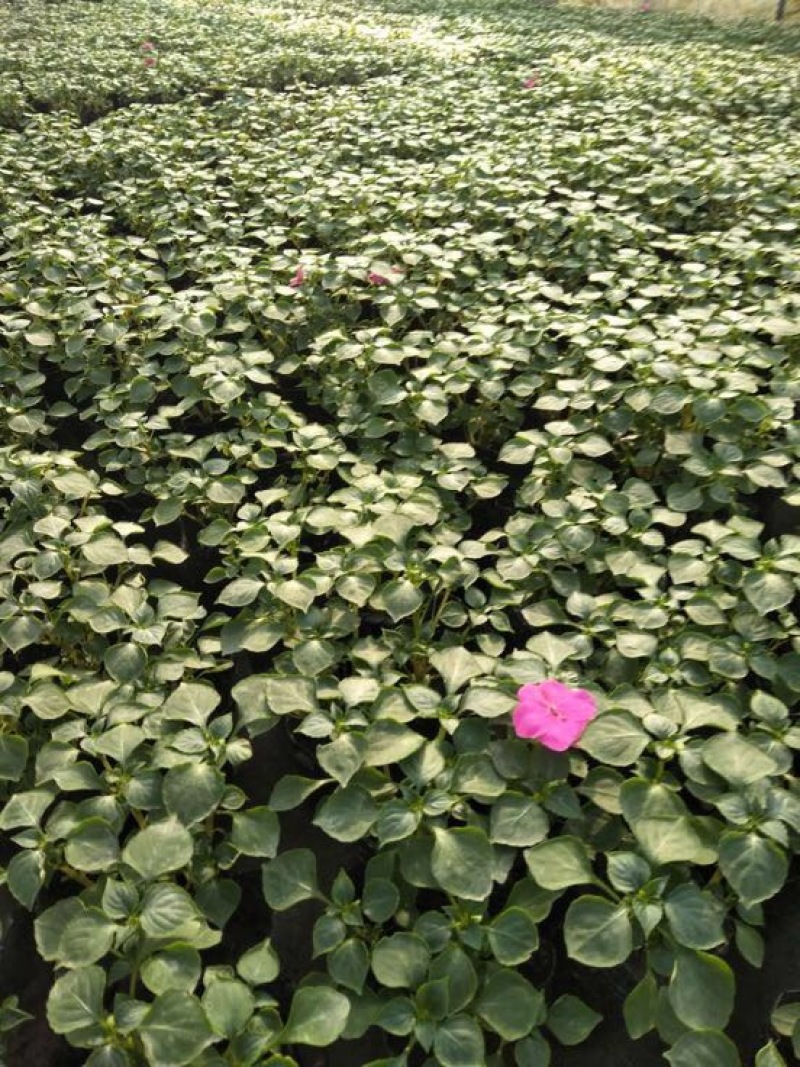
(350,383)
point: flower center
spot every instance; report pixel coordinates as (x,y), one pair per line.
(555,712)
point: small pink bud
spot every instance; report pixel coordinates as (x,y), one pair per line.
(376,279)
(147,46)
(533,82)
(298,279)
(149,61)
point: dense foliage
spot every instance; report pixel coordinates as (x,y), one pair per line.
(347,385)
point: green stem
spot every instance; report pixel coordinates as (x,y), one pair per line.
(76,876)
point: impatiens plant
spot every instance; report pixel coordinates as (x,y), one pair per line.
(398,534)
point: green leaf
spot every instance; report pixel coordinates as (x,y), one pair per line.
(342,757)
(125,662)
(695,917)
(454,965)
(240,592)
(290,878)
(175,1030)
(769,1056)
(380,899)
(462,862)
(658,818)
(355,588)
(768,591)
(40,338)
(513,936)
(255,832)
(750,944)
(616,738)
(218,899)
(560,863)
(627,871)
(703,1048)
(297,593)
(20,633)
(597,932)
(532,1051)
(166,846)
(701,990)
(349,963)
(86,938)
(516,820)
(458,1042)
(347,814)
(166,910)
(432,1000)
(570,1020)
(640,1007)
(177,967)
(390,742)
(398,598)
(260,964)
(26,808)
(289,694)
(49,701)
(49,926)
(317,1017)
(329,931)
(120,742)
(786,1017)
(736,760)
(755,867)
(192,702)
(191,791)
(400,961)
(76,1000)
(456,666)
(25,876)
(106,550)
(554,650)
(510,1005)
(228,1005)
(13,757)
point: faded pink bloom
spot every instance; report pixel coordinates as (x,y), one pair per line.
(533,82)
(147,46)
(376,279)
(298,279)
(645,6)
(553,714)
(149,61)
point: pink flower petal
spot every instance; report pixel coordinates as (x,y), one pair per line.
(298,279)
(377,279)
(553,713)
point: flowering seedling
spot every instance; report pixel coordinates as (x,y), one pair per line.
(398,548)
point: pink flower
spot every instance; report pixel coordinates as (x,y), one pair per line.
(149,61)
(298,279)
(147,46)
(553,714)
(377,279)
(533,82)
